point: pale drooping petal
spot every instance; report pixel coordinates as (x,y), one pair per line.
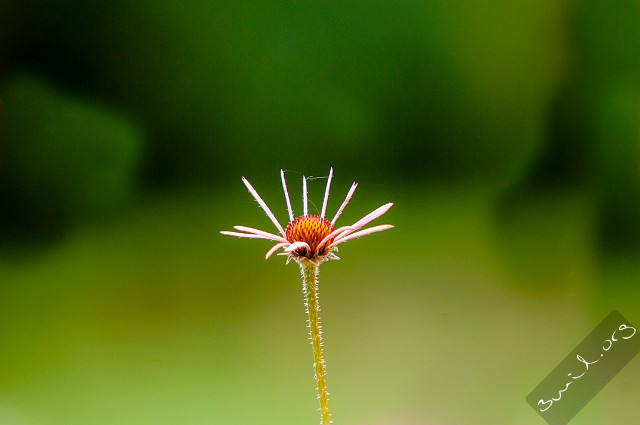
(326,194)
(296,245)
(361,233)
(334,234)
(286,196)
(305,208)
(360,223)
(345,202)
(260,232)
(247,235)
(372,215)
(275,248)
(263,205)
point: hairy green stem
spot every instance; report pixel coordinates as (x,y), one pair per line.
(309,271)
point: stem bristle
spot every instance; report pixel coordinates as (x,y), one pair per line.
(309,272)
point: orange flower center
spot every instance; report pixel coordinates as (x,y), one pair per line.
(311,229)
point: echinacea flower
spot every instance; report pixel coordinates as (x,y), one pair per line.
(310,237)
(310,240)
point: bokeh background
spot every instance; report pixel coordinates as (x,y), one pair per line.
(507,133)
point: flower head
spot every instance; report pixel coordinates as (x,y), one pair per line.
(310,237)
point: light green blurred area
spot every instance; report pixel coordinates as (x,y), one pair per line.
(155,318)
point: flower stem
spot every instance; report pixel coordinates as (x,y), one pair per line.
(309,271)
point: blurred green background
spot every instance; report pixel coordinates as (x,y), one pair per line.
(506,133)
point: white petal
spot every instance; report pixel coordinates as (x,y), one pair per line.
(297,245)
(260,232)
(326,193)
(275,248)
(361,233)
(248,235)
(372,215)
(286,196)
(304,196)
(345,202)
(263,205)
(334,234)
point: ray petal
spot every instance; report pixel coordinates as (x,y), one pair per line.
(326,193)
(275,248)
(372,215)
(345,202)
(297,245)
(247,235)
(361,233)
(263,205)
(334,234)
(261,232)
(286,196)
(304,196)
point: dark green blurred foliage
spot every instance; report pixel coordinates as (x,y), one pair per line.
(506,95)
(440,89)
(607,37)
(592,151)
(63,158)
(609,57)
(472,107)
(617,131)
